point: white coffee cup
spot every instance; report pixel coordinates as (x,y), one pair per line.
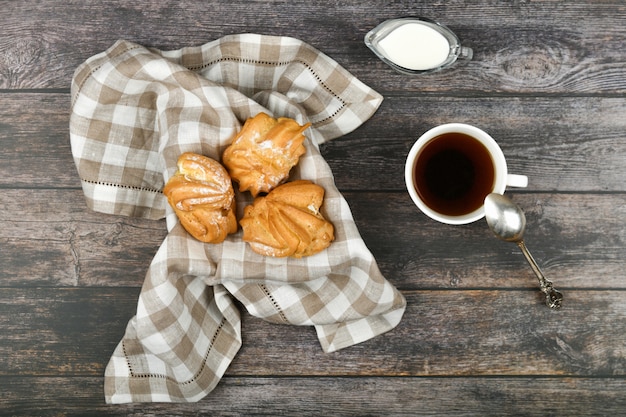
(449,154)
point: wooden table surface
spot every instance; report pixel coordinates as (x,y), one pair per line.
(548,81)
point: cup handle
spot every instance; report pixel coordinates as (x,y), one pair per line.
(514,180)
(466,53)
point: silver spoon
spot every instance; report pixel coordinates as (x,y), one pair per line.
(507,221)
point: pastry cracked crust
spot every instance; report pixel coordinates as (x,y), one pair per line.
(263,152)
(202,195)
(287,221)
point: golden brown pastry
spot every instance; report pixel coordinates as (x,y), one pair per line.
(263,152)
(202,195)
(287,221)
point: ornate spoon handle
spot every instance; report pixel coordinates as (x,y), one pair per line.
(554,298)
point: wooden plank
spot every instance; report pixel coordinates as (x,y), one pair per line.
(404,396)
(578,240)
(50,238)
(462,333)
(581,150)
(519,47)
(73,331)
(35,139)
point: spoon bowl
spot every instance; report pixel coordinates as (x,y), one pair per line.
(504,217)
(508,222)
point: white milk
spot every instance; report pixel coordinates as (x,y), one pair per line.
(415,46)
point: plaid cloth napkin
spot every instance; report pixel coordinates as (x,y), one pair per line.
(134,111)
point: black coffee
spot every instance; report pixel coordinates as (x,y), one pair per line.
(453,174)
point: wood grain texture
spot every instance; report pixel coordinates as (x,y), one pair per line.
(547,82)
(346,396)
(58,241)
(578,239)
(538,46)
(72,332)
(560,143)
(576,147)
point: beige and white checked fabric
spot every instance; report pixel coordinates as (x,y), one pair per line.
(134,111)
